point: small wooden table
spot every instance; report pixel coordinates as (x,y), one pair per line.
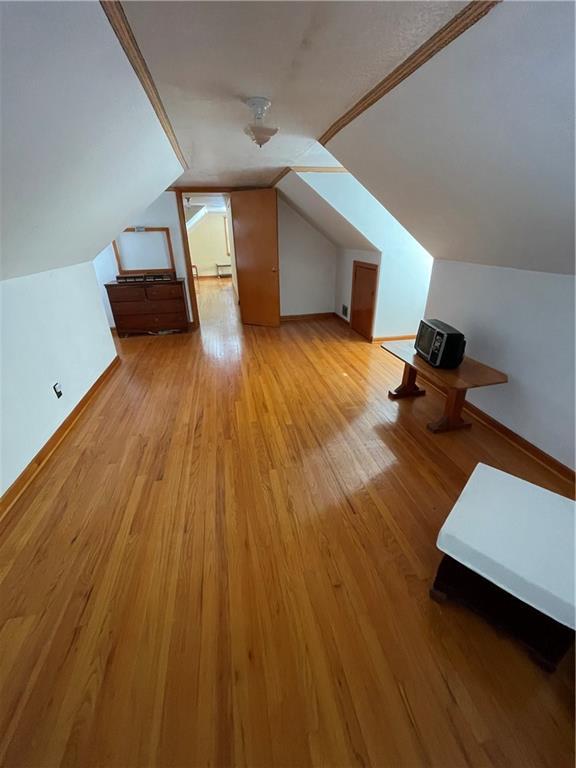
(456,381)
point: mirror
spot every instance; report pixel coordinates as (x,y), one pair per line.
(144,251)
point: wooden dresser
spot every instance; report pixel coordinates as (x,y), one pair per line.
(146,306)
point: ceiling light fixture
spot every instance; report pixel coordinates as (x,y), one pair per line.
(258,132)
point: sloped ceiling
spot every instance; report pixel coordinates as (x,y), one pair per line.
(82,150)
(367,214)
(215,202)
(189,213)
(313,59)
(474,152)
(320,214)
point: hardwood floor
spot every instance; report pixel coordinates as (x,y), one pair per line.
(227,563)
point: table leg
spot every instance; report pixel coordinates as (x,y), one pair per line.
(408,388)
(452,418)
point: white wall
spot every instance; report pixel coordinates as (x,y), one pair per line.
(522,323)
(474,152)
(208,244)
(106,269)
(344,271)
(78,134)
(307,265)
(318,212)
(405,266)
(53,330)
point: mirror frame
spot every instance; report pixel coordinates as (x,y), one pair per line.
(165,270)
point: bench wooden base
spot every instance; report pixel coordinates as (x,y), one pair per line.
(547,640)
(408,388)
(454,381)
(451,418)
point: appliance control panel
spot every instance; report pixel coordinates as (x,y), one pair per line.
(436,347)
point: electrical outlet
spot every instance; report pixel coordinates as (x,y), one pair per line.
(344,310)
(57,390)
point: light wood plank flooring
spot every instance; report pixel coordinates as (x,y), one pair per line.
(227,563)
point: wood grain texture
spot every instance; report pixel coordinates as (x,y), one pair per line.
(279,176)
(119,23)
(227,563)
(312,316)
(188,261)
(255,227)
(187,189)
(363,297)
(380,339)
(144,307)
(469,374)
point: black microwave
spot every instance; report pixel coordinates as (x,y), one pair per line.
(440,344)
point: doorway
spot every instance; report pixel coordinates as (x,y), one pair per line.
(208,232)
(255,224)
(242,248)
(363,304)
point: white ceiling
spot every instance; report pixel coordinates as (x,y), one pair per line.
(474,152)
(93,154)
(313,59)
(321,215)
(214,202)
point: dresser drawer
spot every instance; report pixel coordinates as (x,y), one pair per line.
(166,322)
(147,307)
(164,291)
(126,292)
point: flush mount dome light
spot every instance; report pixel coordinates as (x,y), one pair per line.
(258,132)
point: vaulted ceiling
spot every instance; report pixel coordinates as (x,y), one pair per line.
(313,59)
(474,152)
(82,149)
(313,207)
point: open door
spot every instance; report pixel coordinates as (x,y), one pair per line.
(364,284)
(255,225)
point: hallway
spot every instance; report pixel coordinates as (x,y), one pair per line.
(218,305)
(227,562)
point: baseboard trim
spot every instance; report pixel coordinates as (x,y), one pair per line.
(565,472)
(380,339)
(520,442)
(12,494)
(313,316)
(213,277)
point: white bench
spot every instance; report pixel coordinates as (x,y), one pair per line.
(509,554)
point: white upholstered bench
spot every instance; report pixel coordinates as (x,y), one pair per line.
(509,555)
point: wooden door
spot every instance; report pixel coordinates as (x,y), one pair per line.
(364,285)
(255,226)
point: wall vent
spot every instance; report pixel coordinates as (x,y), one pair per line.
(344,310)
